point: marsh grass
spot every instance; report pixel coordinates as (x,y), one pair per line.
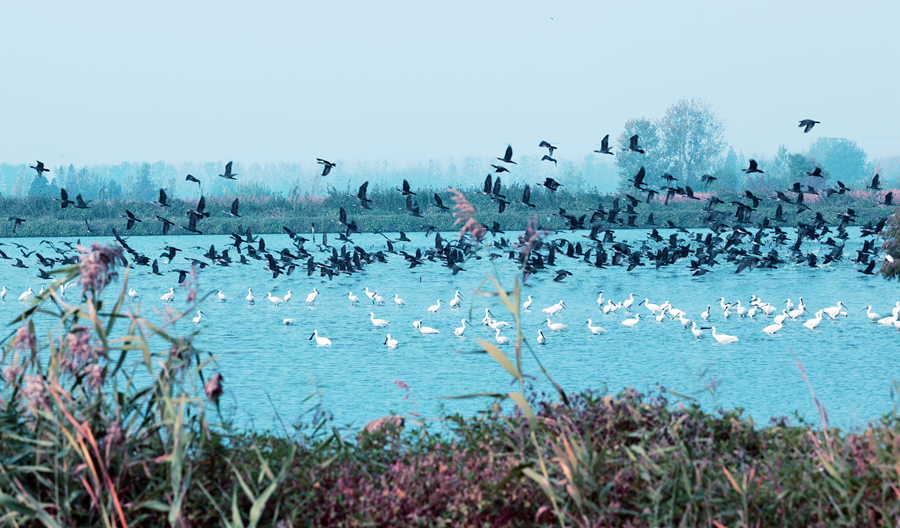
(88,438)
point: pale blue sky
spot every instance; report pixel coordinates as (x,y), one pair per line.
(104,82)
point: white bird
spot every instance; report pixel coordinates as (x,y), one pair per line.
(289,322)
(540,338)
(768,308)
(391,343)
(779,319)
(727,313)
(310,299)
(888,321)
(250,298)
(425,329)
(354,300)
(685,322)
(610,307)
(675,312)
(834,311)
(435,307)
(814,322)
(200,314)
(633,321)
(321,341)
(380,323)
(662,315)
(501,340)
(751,313)
(456,300)
(42,290)
(369,294)
(705,315)
(594,329)
(872,315)
(772,328)
(287,296)
(628,302)
(461,330)
(3,294)
(650,306)
(400,302)
(789,305)
(527,304)
(896,311)
(741,310)
(167,297)
(221,296)
(555,309)
(698,333)
(723,338)
(723,304)
(600,300)
(486,320)
(274,300)
(495,324)
(378,299)
(556,327)
(132,293)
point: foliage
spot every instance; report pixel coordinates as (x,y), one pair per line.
(842,157)
(693,138)
(890,268)
(629,163)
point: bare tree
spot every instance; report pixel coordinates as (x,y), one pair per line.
(692,138)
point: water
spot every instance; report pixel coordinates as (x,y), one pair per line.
(269,368)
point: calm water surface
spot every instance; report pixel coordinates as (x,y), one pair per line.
(269,368)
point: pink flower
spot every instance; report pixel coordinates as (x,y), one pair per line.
(98,266)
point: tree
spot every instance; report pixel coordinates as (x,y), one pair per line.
(843,158)
(692,138)
(39,186)
(890,268)
(629,163)
(144,187)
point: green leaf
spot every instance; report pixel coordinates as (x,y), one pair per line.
(523,404)
(501,358)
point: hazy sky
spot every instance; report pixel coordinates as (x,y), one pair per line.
(106,82)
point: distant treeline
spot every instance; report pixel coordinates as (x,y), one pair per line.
(270,214)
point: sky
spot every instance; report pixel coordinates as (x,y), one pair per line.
(95,82)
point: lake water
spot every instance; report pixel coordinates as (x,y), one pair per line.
(269,368)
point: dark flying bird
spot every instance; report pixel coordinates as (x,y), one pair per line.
(18,222)
(633,145)
(80,203)
(526,197)
(707,179)
(808,123)
(162,199)
(39,168)
(362,196)
(166,224)
(507,158)
(131,219)
(547,146)
(405,190)
(816,173)
(440,203)
(234,209)
(753,168)
(874,185)
(604,146)
(228,174)
(551,184)
(327,166)
(64,199)
(191,178)
(548,158)
(499,168)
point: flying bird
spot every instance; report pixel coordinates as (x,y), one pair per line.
(499,168)
(405,191)
(162,199)
(191,178)
(507,158)
(753,168)
(440,203)
(39,168)
(64,199)
(548,158)
(874,185)
(228,174)
(131,219)
(551,184)
(604,146)
(808,123)
(816,173)
(548,146)
(18,222)
(234,209)
(327,166)
(633,145)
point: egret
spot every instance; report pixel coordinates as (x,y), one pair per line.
(540,338)
(487,317)
(461,330)
(456,300)
(425,329)
(391,343)
(378,299)
(834,311)
(310,299)
(727,313)
(289,322)
(527,304)
(221,296)
(698,333)
(772,328)
(814,322)
(250,298)
(779,319)
(434,307)
(24,297)
(400,302)
(369,294)
(354,300)
(628,302)
(723,338)
(501,340)
(274,300)
(42,290)
(872,315)
(610,307)
(793,314)
(380,323)
(132,293)
(287,297)
(723,304)
(789,305)
(741,310)
(705,315)
(600,300)
(200,314)
(167,297)
(321,341)
(650,306)
(633,321)
(751,313)
(594,329)
(556,327)
(495,324)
